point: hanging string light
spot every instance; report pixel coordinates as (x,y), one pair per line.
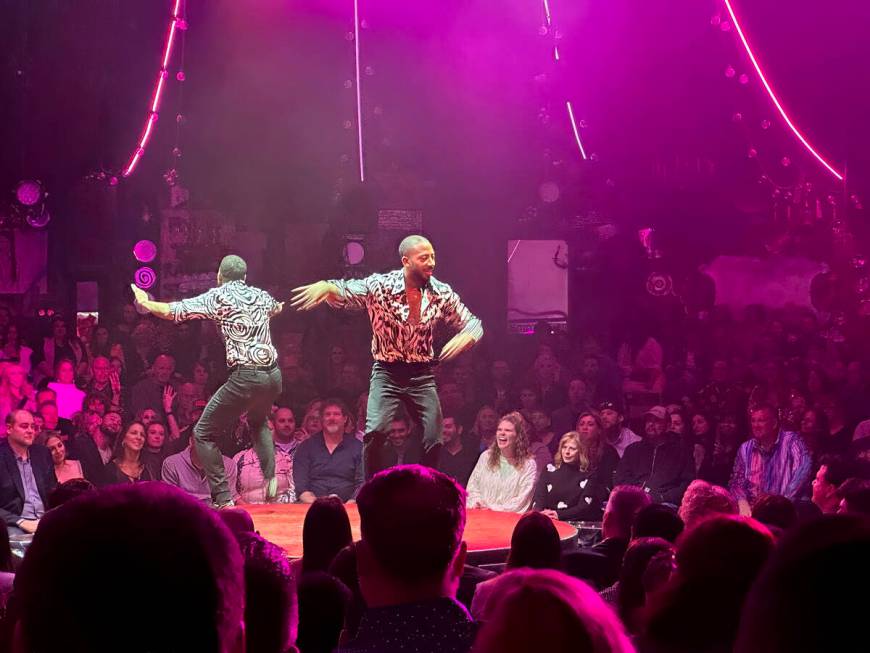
(773,96)
(176,24)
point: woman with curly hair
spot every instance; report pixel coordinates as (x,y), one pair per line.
(504,477)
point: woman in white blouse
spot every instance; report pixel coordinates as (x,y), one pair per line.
(504,477)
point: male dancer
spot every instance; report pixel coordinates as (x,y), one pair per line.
(243,313)
(403,307)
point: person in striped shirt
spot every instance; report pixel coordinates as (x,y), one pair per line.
(772,461)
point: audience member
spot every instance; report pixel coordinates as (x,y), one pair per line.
(27,476)
(69,490)
(456,457)
(60,346)
(600,563)
(400,447)
(193,571)
(325,532)
(410,559)
(286,435)
(271,617)
(629,594)
(703,500)
(127,464)
(534,544)
(155,450)
(833,472)
(719,455)
(323,605)
(251,484)
(771,462)
(854,496)
(64,469)
(70,399)
(808,595)
(776,512)
(505,474)
(659,521)
(617,434)
(15,392)
(575,486)
(699,610)
(185,471)
(482,433)
(148,393)
(543,609)
(661,463)
(329,462)
(564,419)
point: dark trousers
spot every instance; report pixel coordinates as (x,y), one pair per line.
(411,385)
(250,390)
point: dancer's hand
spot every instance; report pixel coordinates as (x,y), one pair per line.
(455,346)
(138,294)
(552,514)
(307,297)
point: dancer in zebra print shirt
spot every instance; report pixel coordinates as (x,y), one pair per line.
(242,312)
(403,306)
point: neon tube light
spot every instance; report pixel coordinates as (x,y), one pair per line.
(359,127)
(774,98)
(157,93)
(574,127)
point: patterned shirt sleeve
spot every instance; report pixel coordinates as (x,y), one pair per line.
(355,293)
(801,463)
(273,304)
(201,307)
(737,485)
(457,315)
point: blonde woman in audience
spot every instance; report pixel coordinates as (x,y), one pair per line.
(505,474)
(15,392)
(65,470)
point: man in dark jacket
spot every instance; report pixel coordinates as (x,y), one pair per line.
(661,463)
(26,475)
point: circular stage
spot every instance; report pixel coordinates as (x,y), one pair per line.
(487,533)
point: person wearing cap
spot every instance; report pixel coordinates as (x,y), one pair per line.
(616,433)
(660,464)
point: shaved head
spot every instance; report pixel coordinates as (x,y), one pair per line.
(410,243)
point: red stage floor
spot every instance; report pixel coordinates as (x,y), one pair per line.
(487,533)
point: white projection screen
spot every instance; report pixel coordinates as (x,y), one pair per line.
(537,283)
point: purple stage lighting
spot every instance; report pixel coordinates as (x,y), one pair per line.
(145,251)
(145,277)
(29,193)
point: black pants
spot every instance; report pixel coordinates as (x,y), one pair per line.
(394,385)
(249,390)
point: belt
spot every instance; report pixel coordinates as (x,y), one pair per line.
(260,368)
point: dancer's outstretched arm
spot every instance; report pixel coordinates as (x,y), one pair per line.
(307,297)
(338,293)
(160,309)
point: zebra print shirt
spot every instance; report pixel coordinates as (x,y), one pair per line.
(242,313)
(394,339)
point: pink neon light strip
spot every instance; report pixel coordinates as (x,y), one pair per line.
(574,127)
(773,97)
(158,92)
(359,125)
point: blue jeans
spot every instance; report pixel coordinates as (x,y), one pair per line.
(247,389)
(393,385)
